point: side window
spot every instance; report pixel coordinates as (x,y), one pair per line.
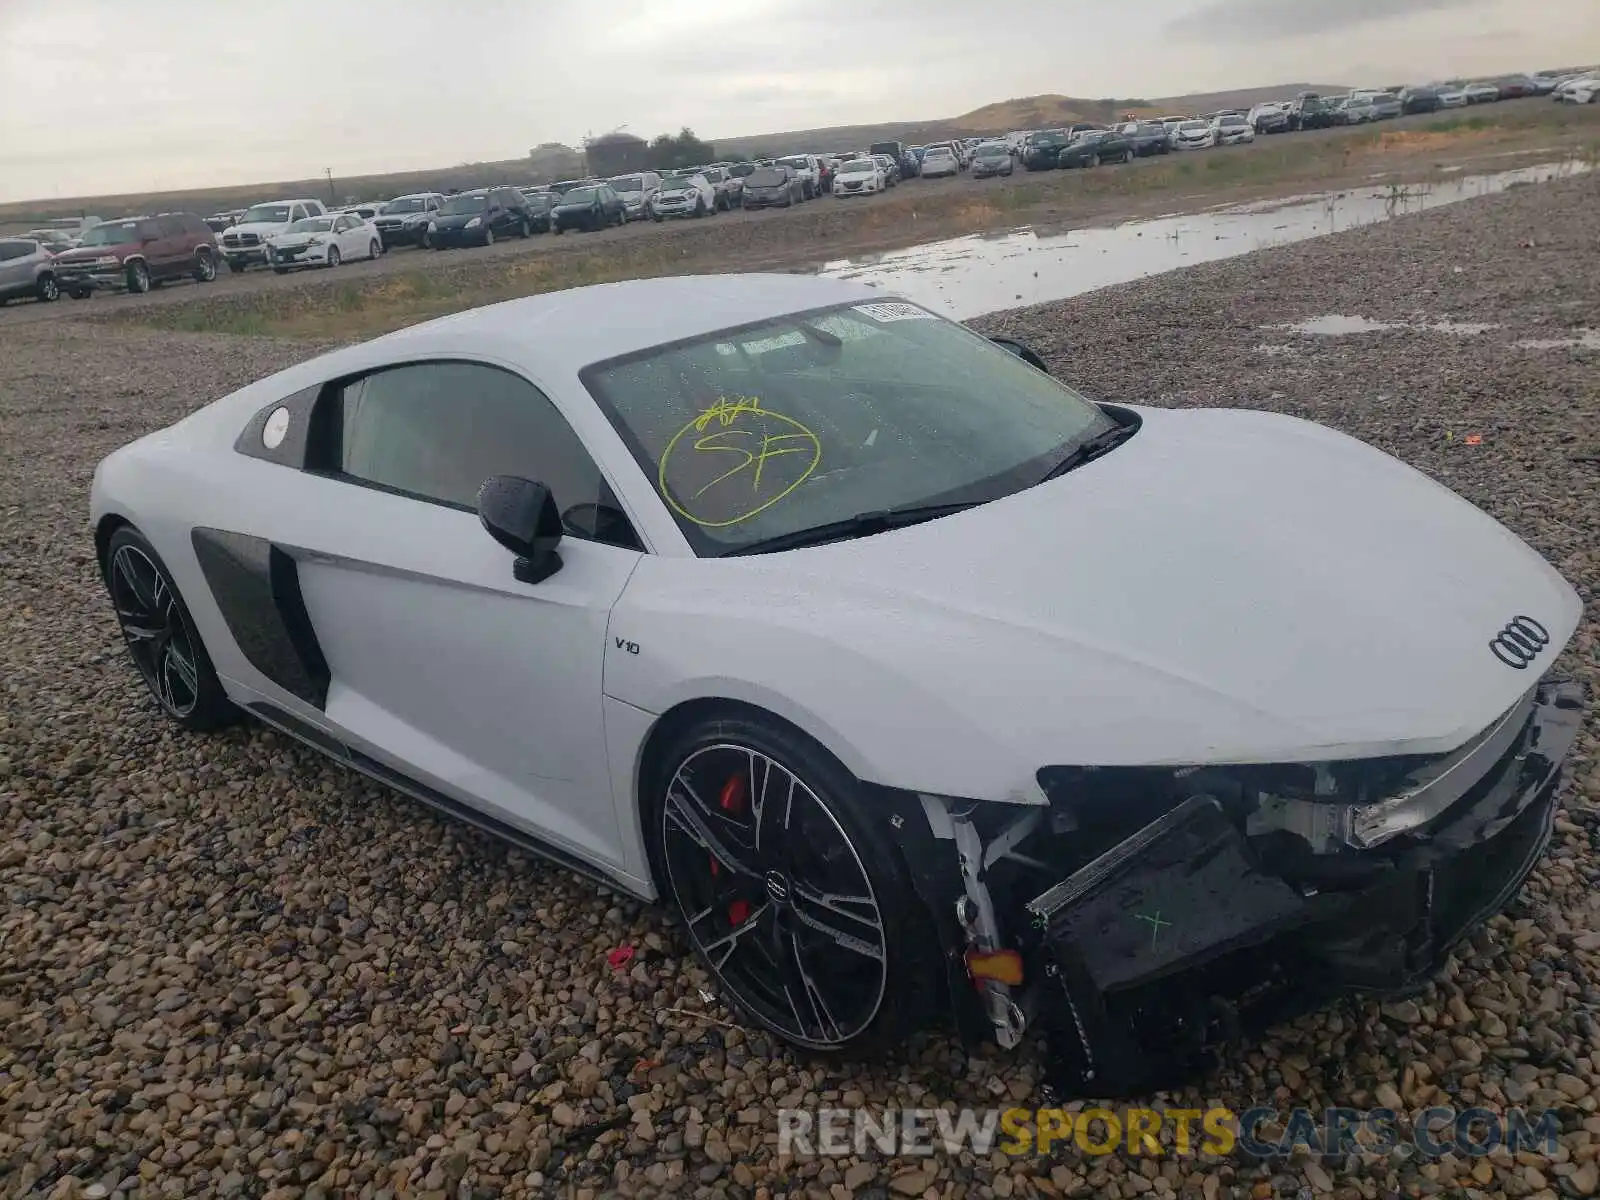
(170,226)
(148,229)
(438,430)
(15,249)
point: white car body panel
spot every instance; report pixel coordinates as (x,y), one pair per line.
(1227,586)
(355,241)
(940,164)
(676,197)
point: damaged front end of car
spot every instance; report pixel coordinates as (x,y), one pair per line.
(1143,917)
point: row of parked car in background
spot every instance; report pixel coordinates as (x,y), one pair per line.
(80,256)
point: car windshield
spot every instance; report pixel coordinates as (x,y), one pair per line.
(859,166)
(112,233)
(312,225)
(1193,126)
(743,169)
(1052,138)
(993,150)
(266,213)
(406,204)
(1231,121)
(627,183)
(466,202)
(778,427)
(766,177)
(583,195)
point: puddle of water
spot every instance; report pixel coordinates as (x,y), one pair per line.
(968,276)
(1585,339)
(1339,325)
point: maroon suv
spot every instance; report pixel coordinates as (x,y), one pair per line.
(138,253)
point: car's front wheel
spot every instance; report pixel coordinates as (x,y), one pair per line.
(160,635)
(138,277)
(47,289)
(205,267)
(791,897)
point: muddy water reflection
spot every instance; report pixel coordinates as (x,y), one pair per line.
(969,276)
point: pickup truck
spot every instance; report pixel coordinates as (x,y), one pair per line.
(244,244)
(807,171)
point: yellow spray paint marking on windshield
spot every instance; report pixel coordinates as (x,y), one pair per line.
(734,460)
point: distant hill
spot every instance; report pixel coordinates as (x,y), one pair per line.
(553,160)
(1027,112)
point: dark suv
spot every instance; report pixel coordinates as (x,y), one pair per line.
(477,217)
(138,253)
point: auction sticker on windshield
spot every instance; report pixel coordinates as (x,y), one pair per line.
(891,310)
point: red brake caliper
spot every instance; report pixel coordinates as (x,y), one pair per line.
(731,799)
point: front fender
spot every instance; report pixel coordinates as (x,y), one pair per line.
(886,725)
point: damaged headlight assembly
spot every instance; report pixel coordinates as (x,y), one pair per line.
(1142,915)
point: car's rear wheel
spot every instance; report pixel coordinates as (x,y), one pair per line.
(205,267)
(47,289)
(798,906)
(80,293)
(161,636)
(138,276)
(374,248)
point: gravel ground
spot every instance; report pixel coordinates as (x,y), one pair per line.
(231,968)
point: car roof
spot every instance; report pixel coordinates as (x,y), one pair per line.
(563,332)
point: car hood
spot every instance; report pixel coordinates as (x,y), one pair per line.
(1225,586)
(289,240)
(264,228)
(83,254)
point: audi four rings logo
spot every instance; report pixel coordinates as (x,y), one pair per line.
(1520,642)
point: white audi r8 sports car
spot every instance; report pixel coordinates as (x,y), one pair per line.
(918,685)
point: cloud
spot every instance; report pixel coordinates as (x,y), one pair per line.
(1266,20)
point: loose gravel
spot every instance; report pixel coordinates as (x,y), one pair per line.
(231,968)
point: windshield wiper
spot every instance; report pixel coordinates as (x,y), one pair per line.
(860,525)
(1090,450)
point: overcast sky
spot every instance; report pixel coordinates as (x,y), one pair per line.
(102,96)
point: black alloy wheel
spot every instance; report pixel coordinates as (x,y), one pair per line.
(799,910)
(160,635)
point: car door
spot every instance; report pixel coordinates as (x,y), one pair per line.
(16,266)
(165,255)
(418,646)
(352,239)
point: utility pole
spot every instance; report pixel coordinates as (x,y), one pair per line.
(332,199)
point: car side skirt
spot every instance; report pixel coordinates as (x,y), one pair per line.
(382,773)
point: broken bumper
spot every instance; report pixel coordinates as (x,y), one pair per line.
(1185,933)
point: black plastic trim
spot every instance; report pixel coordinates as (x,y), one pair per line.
(421,792)
(291,452)
(256,586)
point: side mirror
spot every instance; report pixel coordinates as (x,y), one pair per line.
(1022,352)
(522,516)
